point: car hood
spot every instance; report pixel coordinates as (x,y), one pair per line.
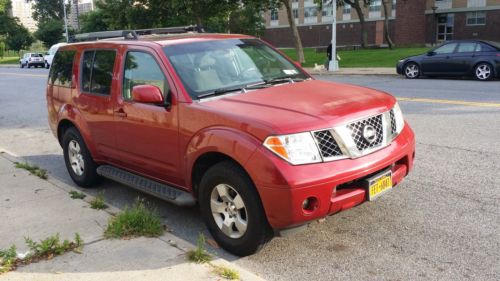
(303,106)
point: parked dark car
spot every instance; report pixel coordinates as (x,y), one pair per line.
(477,58)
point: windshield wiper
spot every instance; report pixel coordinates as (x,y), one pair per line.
(218,92)
(283,79)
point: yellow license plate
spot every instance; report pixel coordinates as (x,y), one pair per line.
(379,185)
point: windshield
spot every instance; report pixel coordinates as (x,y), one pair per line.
(206,67)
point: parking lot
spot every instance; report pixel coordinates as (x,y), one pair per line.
(441,223)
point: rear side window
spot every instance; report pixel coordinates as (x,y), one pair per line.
(142,69)
(484,48)
(97,71)
(62,69)
(466,47)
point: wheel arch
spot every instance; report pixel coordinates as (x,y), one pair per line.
(214,145)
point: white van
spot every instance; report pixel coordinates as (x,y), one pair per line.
(50,55)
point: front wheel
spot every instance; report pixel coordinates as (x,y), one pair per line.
(22,65)
(232,209)
(412,70)
(47,65)
(483,71)
(79,162)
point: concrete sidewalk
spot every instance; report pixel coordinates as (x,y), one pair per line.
(36,208)
(382,71)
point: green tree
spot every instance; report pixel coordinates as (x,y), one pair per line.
(50,32)
(19,38)
(2,47)
(44,10)
(247,19)
(93,21)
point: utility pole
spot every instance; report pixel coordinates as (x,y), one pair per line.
(65,21)
(334,63)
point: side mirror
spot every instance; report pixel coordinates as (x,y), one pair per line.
(431,53)
(147,94)
(297,63)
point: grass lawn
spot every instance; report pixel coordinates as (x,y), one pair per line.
(9,60)
(359,58)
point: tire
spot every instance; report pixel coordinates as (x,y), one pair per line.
(29,65)
(230,179)
(22,65)
(81,167)
(411,70)
(47,66)
(483,71)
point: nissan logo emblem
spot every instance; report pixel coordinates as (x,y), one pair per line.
(369,133)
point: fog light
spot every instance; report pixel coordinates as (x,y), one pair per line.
(310,204)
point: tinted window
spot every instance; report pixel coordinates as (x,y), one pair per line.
(466,47)
(484,48)
(97,71)
(142,69)
(36,55)
(62,69)
(446,49)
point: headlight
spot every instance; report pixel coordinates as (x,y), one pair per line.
(398,115)
(295,148)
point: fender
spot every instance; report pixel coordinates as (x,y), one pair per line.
(236,144)
(73,115)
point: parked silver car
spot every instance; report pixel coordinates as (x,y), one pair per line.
(32,59)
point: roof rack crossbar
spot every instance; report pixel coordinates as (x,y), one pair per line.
(133,34)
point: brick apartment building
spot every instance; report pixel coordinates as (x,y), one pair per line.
(411,22)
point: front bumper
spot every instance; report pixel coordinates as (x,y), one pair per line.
(399,67)
(336,185)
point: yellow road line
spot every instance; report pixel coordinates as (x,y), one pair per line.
(455,102)
(23,74)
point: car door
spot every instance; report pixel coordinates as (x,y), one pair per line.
(440,61)
(147,134)
(464,57)
(97,86)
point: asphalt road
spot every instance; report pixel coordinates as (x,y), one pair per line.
(441,223)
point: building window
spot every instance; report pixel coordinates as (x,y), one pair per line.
(476,3)
(274,14)
(393,5)
(346,9)
(375,6)
(476,18)
(295,13)
(310,12)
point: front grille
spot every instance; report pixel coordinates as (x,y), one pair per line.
(393,122)
(327,144)
(357,128)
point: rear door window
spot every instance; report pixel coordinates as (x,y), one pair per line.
(62,69)
(466,47)
(97,71)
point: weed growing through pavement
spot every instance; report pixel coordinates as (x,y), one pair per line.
(7,259)
(76,195)
(98,202)
(33,169)
(45,249)
(139,220)
(199,255)
(226,273)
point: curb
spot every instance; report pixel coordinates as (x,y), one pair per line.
(167,237)
(9,66)
(354,71)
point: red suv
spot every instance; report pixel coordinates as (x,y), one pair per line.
(226,121)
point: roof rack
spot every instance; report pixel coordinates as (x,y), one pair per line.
(133,34)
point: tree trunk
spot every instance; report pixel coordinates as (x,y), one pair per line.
(295,31)
(386,26)
(364,34)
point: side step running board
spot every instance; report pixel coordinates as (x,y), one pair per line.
(160,190)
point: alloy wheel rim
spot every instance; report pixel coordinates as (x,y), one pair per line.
(229,211)
(412,71)
(76,158)
(483,72)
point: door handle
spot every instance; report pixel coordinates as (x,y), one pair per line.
(120,113)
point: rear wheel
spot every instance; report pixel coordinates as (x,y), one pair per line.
(79,162)
(29,65)
(22,65)
(412,70)
(483,71)
(47,65)
(232,210)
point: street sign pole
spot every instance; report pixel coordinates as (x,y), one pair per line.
(65,21)
(334,64)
